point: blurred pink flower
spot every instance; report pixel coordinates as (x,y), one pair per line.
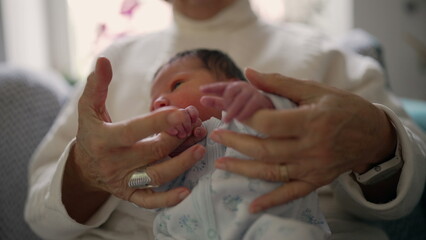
(128,7)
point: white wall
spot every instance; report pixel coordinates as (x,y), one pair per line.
(390,23)
(25,33)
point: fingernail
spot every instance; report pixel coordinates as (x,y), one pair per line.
(252,74)
(253,71)
(199,153)
(182,195)
(197,132)
(215,137)
(220,163)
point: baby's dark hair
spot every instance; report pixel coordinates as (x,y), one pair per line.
(214,60)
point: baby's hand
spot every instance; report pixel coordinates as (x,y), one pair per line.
(191,122)
(239,99)
(192,129)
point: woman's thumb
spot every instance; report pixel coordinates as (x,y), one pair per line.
(277,84)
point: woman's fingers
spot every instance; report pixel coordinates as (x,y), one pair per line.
(126,133)
(299,91)
(272,150)
(149,199)
(96,91)
(159,173)
(162,173)
(168,170)
(292,188)
(252,169)
(284,194)
(287,123)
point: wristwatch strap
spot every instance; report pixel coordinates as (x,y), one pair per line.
(381,171)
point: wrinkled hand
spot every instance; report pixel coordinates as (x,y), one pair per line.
(330,132)
(106,154)
(239,99)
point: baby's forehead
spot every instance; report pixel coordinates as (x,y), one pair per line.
(188,61)
(184,64)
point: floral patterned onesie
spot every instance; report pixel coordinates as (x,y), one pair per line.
(217,207)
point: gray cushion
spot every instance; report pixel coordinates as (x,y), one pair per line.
(29,103)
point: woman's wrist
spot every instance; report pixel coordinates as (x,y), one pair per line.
(80,199)
(379,178)
(386,145)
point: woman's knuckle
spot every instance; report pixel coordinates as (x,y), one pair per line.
(126,134)
(170,201)
(264,125)
(276,76)
(159,150)
(156,177)
(144,203)
(108,170)
(270,174)
(292,193)
(262,152)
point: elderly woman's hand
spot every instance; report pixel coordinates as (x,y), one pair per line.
(106,154)
(329,133)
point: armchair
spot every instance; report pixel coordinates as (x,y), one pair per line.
(29,103)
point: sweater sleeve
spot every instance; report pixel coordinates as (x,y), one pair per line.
(363,76)
(44,210)
(410,186)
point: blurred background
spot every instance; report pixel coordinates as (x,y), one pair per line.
(64,36)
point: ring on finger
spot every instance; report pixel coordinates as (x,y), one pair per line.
(283,171)
(140,180)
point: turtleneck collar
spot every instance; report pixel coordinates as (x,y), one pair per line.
(234,16)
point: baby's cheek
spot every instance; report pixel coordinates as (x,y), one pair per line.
(206,113)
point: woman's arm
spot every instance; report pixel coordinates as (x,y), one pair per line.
(71,195)
(331,132)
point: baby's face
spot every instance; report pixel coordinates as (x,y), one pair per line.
(178,84)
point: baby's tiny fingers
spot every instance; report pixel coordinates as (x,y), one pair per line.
(172,131)
(193,113)
(214,102)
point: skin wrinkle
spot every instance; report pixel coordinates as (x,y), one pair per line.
(90,174)
(331,136)
(100,183)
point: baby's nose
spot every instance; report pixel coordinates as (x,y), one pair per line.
(160,102)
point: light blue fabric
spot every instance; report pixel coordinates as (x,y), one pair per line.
(417,110)
(218,205)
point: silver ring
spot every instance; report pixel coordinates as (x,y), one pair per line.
(140,180)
